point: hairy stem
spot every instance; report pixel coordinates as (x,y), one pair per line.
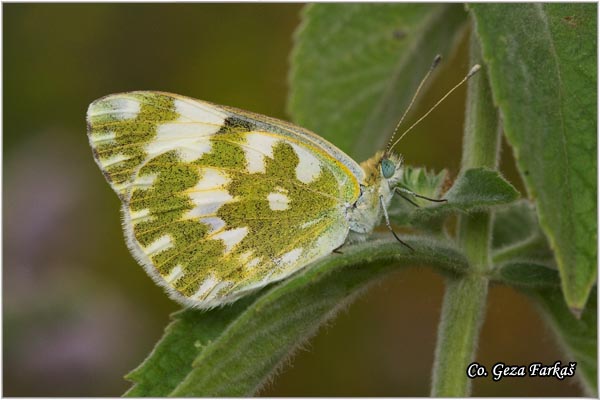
(465,298)
(462,314)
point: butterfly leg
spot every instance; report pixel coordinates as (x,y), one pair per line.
(407,199)
(389,225)
(400,190)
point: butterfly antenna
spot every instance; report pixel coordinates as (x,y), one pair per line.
(435,63)
(472,72)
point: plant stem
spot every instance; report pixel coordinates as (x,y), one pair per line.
(462,314)
(465,296)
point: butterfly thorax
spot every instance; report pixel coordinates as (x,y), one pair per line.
(366,213)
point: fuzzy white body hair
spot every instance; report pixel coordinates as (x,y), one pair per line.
(376,192)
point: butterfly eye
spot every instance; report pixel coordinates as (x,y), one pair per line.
(388,168)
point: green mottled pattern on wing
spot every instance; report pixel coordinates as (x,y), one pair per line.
(117,139)
(217,201)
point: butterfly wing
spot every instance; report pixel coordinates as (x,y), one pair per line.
(217,201)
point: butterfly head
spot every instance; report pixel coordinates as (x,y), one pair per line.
(390,167)
(383,167)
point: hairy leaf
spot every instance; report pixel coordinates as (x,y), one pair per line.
(542,67)
(356,66)
(515,223)
(576,334)
(523,259)
(517,237)
(526,274)
(425,183)
(475,190)
(171,360)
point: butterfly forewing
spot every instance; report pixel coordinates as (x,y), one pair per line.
(217,201)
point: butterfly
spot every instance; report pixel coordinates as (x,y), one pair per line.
(218,202)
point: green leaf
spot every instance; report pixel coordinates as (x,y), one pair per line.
(524,257)
(515,223)
(526,274)
(521,254)
(534,249)
(475,190)
(425,183)
(184,338)
(517,237)
(356,66)
(577,336)
(480,187)
(234,350)
(541,60)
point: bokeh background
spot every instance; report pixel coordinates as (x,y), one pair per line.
(79,312)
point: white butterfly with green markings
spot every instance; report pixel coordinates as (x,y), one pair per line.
(219,202)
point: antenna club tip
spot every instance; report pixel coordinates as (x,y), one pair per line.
(436,61)
(474,70)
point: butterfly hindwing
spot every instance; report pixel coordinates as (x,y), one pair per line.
(217,201)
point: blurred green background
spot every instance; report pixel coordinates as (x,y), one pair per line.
(79,312)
